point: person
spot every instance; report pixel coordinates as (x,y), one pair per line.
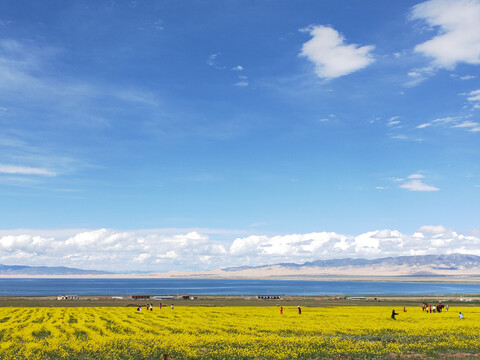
(393,314)
(281,310)
(299,310)
(460,316)
(171,307)
(151,307)
(446,307)
(160,306)
(404,309)
(139,308)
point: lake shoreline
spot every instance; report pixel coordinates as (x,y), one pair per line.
(466,279)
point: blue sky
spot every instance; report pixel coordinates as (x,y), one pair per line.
(218,122)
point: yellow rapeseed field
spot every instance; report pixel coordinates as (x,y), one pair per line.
(236,333)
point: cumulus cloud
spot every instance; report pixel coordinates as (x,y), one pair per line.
(331,55)
(458,31)
(328,245)
(162,250)
(111,250)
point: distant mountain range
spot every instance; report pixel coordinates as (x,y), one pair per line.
(410,266)
(424,265)
(434,262)
(45,270)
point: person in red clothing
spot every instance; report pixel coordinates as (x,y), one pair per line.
(299,310)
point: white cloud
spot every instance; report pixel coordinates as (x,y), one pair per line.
(238,68)
(212,59)
(331,56)
(424,125)
(164,250)
(432,229)
(454,121)
(112,250)
(24,170)
(393,121)
(418,185)
(373,244)
(414,182)
(241,84)
(467,124)
(458,36)
(418,75)
(474,95)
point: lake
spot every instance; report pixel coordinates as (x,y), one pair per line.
(44,287)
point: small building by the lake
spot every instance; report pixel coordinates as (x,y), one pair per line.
(67,297)
(269,297)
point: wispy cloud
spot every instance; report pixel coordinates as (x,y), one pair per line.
(416,176)
(472,125)
(464,77)
(419,75)
(241,84)
(393,121)
(415,183)
(461,122)
(23,170)
(331,55)
(213,61)
(474,98)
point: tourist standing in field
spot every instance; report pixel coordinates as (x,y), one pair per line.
(160,306)
(281,310)
(299,310)
(393,314)
(171,307)
(460,316)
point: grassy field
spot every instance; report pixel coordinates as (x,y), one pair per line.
(215,300)
(218,330)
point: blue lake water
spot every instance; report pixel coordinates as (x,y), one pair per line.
(42,287)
